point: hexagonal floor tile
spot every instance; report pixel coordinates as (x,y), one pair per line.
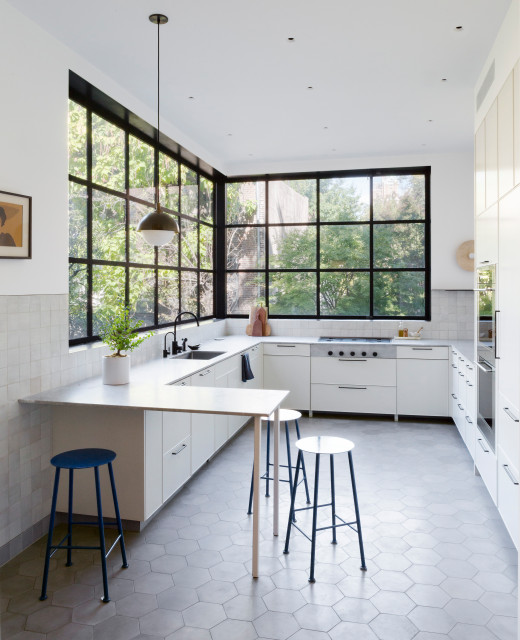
(317,617)
(204,615)
(285,600)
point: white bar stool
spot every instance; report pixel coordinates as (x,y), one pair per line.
(326,445)
(286,415)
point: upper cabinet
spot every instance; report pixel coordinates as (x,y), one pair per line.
(505,129)
(492,155)
(480,168)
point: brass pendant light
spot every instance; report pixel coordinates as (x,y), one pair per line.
(158,227)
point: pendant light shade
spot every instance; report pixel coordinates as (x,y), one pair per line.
(158,227)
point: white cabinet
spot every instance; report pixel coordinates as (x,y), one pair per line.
(463,398)
(508,491)
(176,467)
(202,424)
(480,169)
(508,426)
(357,371)
(344,398)
(506,177)
(486,464)
(422,386)
(222,370)
(487,236)
(492,155)
(516,119)
(287,366)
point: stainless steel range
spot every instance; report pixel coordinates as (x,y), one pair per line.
(354,348)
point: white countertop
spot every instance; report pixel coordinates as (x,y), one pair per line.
(150,383)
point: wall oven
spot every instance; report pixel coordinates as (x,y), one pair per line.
(486,352)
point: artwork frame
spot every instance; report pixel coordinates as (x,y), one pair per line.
(15,225)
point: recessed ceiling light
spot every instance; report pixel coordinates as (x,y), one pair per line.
(191,97)
(229,135)
(430,120)
(310,87)
(290,39)
(444,79)
(459,28)
(325,127)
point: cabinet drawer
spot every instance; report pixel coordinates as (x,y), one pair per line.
(423,353)
(508,494)
(353,399)
(286,349)
(176,427)
(176,467)
(486,463)
(508,426)
(356,371)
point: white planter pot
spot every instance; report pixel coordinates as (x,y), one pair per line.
(116,370)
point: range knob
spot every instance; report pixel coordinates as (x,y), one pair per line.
(341,353)
(375,354)
(352,353)
(330,353)
(363,353)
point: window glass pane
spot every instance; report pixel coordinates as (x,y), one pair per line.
(189,192)
(292,201)
(108,154)
(243,291)
(399,246)
(168,295)
(399,198)
(142,292)
(246,248)
(189,291)
(141,169)
(345,199)
(108,227)
(169,181)
(400,293)
(169,253)
(108,291)
(245,203)
(206,294)
(77,301)
(206,247)
(77,140)
(345,246)
(206,199)
(292,247)
(189,243)
(77,220)
(292,294)
(345,294)
(140,250)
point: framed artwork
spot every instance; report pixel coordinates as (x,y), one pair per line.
(15,225)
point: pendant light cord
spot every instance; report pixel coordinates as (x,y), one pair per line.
(158,103)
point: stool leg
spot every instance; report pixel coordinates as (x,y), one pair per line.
(303,466)
(333,499)
(118,517)
(43,595)
(293,498)
(250,508)
(69,518)
(289,464)
(106,597)
(356,507)
(315,517)
(267,456)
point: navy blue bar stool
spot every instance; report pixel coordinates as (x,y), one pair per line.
(286,415)
(325,445)
(83,459)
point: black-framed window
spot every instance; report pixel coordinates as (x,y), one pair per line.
(350,244)
(113,171)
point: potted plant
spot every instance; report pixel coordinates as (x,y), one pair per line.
(119,333)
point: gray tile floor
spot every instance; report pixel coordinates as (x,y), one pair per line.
(440,562)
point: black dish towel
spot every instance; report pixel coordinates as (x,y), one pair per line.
(247,374)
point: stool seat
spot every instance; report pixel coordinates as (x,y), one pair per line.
(83,458)
(286,415)
(325,444)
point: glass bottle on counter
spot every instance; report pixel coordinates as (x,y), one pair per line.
(400,330)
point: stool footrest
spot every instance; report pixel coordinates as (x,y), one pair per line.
(329,504)
(60,545)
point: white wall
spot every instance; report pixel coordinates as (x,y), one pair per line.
(451,202)
(34,74)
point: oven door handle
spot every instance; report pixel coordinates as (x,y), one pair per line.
(482,368)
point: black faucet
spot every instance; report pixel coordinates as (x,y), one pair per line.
(165,350)
(175,346)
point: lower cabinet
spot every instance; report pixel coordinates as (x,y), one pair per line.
(202,424)
(353,399)
(486,464)
(508,494)
(287,366)
(422,387)
(176,467)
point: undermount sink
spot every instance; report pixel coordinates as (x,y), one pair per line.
(198,355)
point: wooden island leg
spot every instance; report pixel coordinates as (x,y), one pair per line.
(256,493)
(276,474)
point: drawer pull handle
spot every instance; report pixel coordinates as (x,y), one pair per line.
(286,346)
(469,420)
(480,366)
(205,373)
(509,474)
(460,373)
(454,366)
(460,406)
(480,441)
(355,388)
(511,415)
(469,383)
(181,448)
(469,367)
(182,384)
(422,348)
(454,396)
(352,360)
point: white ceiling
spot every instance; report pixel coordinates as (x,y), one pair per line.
(375,67)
